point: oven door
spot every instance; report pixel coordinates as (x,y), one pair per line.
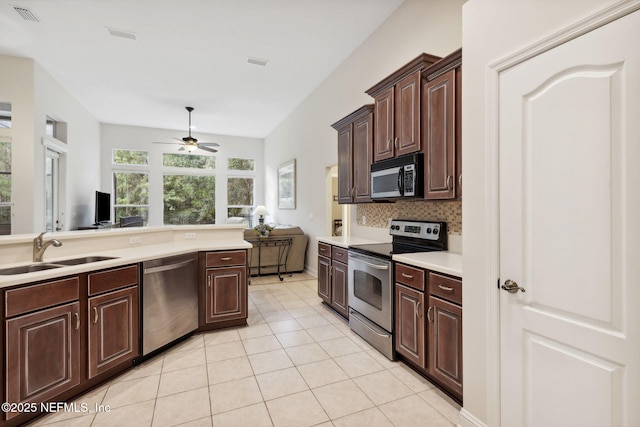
(370,290)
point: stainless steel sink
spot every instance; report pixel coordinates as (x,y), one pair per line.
(27,269)
(84,260)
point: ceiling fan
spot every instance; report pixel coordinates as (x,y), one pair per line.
(189,143)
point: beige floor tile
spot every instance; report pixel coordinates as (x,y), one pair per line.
(182,407)
(300,409)
(382,359)
(277,315)
(229,350)
(371,417)
(82,421)
(234,394)
(382,387)
(304,311)
(255,331)
(281,383)
(416,382)
(88,400)
(149,367)
(183,359)
(230,369)
(307,353)
(339,346)
(443,404)
(293,303)
(358,364)
(190,343)
(294,338)
(321,373)
(221,337)
(325,332)
(261,344)
(142,413)
(343,398)
(255,319)
(413,411)
(182,380)
(133,391)
(269,361)
(253,415)
(313,321)
(202,422)
(281,326)
(270,307)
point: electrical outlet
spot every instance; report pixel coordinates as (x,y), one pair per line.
(189,235)
(136,240)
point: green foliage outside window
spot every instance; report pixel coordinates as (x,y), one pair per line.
(130,157)
(240,191)
(189,161)
(5,187)
(241,164)
(189,199)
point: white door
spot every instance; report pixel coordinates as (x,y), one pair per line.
(569,232)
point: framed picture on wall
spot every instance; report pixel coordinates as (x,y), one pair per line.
(287,185)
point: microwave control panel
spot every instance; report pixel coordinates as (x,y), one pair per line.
(409,180)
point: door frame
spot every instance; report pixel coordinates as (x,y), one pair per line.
(492,207)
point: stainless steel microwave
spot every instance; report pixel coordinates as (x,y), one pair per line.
(401,177)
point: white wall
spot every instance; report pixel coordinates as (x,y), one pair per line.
(431,26)
(140,138)
(492,30)
(34,94)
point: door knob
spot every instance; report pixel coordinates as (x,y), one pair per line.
(511,287)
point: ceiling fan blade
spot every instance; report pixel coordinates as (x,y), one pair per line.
(209,144)
(211,150)
(181,148)
(172,143)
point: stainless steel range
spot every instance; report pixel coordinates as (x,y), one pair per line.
(371,278)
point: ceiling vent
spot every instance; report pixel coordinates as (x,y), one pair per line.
(26,14)
(257,61)
(122,34)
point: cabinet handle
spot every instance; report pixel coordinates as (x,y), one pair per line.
(429,314)
(331,270)
(445,288)
(388,145)
(95,315)
(77,316)
(418,312)
(209,281)
(226,258)
(396,143)
(407,276)
(460,180)
(449,182)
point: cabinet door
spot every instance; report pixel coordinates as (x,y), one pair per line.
(43,354)
(324,279)
(345,164)
(226,296)
(362,158)
(445,332)
(384,125)
(407,115)
(113,329)
(410,325)
(440,121)
(339,289)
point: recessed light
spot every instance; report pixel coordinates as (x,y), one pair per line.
(258,61)
(122,34)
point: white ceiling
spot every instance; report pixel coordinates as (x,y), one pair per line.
(191,52)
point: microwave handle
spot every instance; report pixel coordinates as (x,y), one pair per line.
(401,181)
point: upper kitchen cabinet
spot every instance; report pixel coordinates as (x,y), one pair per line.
(441,108)
(397,110)
(355,155)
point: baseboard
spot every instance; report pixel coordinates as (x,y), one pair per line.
(469,420)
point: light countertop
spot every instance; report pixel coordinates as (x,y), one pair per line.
(442,262)
(345,241)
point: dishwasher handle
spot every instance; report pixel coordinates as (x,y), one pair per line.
(175,266)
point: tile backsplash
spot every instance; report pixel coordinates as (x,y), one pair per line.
(378,214)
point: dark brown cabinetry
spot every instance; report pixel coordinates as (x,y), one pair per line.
(333,273)
(397,110)
(113,318)
(355,155)
(428,322)
(223,289)
(441,109)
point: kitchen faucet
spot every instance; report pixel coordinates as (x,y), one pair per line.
(39,246)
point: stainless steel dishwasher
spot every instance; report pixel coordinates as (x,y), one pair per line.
(169,300)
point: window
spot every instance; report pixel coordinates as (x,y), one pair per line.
(189,188)
(131,184)
(5,186)
(240,189)
(5,115)
(56,129)
(51,191)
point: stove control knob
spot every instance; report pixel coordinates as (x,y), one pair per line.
(435,231)
(428,231)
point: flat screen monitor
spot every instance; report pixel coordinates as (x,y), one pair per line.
(103,207)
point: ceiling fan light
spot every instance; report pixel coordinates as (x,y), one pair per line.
(190,148)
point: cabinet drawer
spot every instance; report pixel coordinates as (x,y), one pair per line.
(110,280)
(410,276)
(324,249)
(447,288)
(36,297)
(224,258)
(340,254)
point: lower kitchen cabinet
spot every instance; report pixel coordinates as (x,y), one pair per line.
(333,274)
(224,289)
(428,325)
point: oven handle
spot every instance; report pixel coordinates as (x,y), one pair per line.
(376,266)
(370,328)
